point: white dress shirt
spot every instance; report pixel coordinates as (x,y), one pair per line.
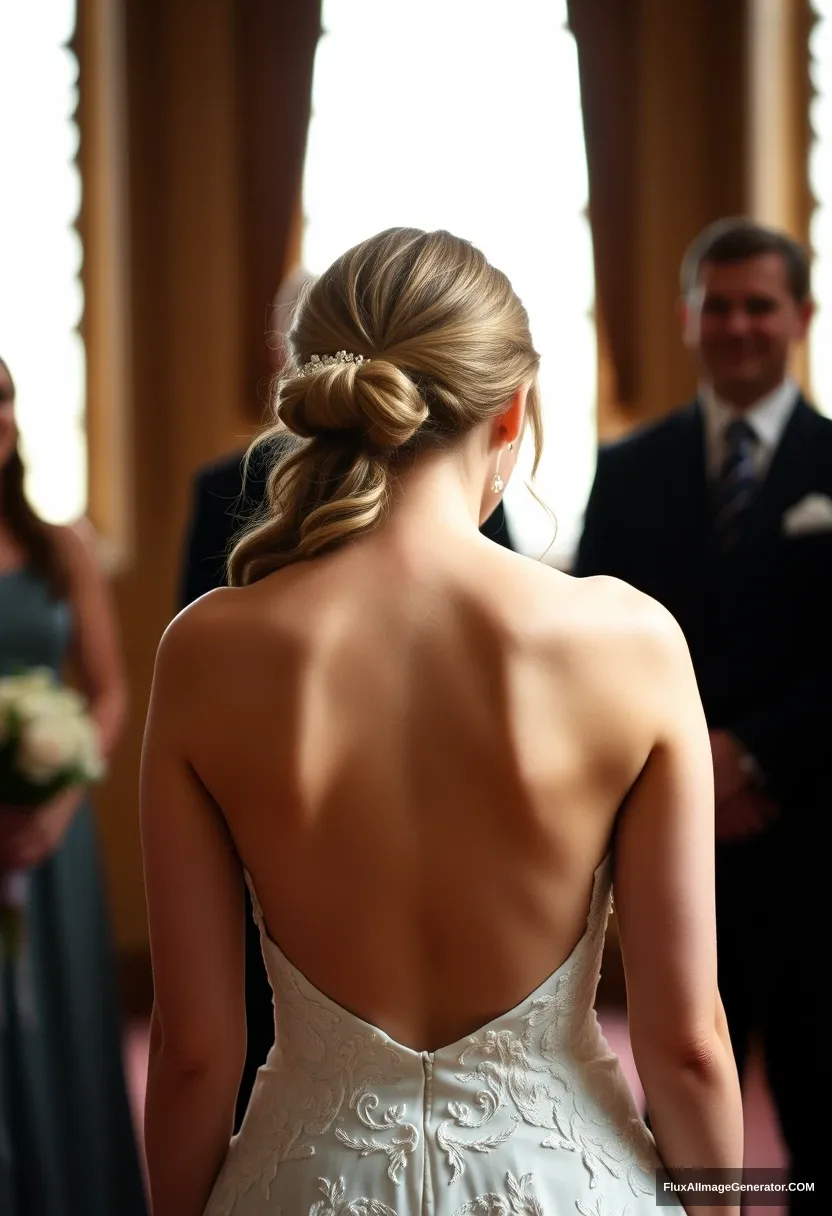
(767,418)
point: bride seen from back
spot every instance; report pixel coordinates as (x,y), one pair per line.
(433,759)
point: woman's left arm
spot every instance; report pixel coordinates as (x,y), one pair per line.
(196,918)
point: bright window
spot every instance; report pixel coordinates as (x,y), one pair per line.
(41,300)
(467,117)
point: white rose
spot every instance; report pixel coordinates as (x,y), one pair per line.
(39,679)
(17,707)
(72,702)
(9,693)
(35,677)
(33,703)
(48,746)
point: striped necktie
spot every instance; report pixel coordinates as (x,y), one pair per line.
(737,483)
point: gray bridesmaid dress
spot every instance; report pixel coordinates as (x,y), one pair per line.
(67,1144)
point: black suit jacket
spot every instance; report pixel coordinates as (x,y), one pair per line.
(758,621)
(221,506)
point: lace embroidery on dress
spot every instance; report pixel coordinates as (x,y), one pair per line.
(519,1200)
(599,1208)
(540,1076)
(558,1075)
(398,1149)
(335,1202)
(325,1075)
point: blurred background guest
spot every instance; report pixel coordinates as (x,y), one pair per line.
(66,1137)
(723,513)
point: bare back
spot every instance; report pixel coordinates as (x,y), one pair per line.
(420,766)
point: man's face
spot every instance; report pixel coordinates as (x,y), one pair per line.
(741,323)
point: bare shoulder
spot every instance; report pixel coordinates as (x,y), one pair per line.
(615,635)
(204,623)
(602,607)
(614,656)
(633,642)
(626,609)
(225,628)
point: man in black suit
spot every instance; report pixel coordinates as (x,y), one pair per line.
(723,513)
(221,505)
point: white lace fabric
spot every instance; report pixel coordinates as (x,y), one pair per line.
(529,1116)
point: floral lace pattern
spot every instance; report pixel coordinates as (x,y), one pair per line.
(334,1202)
(396,1149)
(314,1075)
(518,1200)
(599,1208)
(405,1132)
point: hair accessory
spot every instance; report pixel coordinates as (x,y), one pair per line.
(316,362)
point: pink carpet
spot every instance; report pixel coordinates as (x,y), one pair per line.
(763,1145)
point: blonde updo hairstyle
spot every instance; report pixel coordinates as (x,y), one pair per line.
(445,343)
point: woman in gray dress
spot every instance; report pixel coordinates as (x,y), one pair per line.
(67,1145)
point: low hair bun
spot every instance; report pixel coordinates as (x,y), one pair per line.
(373,400)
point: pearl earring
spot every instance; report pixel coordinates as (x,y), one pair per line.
(497,483)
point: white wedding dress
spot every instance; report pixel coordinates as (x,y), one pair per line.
(529,1116)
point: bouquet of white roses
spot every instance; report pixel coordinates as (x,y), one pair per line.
(47,739)
(48,743)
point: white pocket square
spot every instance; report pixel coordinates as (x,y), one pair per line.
(812,514)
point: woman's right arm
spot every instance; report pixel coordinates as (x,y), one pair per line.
(665,905)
